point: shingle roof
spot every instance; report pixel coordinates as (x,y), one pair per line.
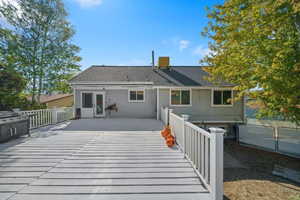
(120,74)
(48,98)
(176,76)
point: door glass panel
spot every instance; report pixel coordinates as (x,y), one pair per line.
(99,104)
(87,100)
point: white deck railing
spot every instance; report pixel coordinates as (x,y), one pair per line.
(204,150)
(44,117)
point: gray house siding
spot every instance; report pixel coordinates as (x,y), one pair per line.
(146,109)
(201,107)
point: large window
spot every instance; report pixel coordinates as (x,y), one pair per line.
(222,97)
(136,95)
(87,100)
(180,97)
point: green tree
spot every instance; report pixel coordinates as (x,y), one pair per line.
(255,44)
(44,49)
(12,82)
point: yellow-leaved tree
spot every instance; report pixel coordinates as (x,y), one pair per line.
(256,45)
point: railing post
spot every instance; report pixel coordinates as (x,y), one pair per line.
(168,117)
(54,116)
(184,119)
(216,163)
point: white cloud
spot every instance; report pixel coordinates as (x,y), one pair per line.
(177,42)
(201,51)
(183,44)
(89,3)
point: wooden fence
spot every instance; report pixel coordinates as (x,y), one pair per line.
(204,150)
(44,117)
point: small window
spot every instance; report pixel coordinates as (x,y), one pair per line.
(180,97)
(136,95)
(222,97)
(87,100)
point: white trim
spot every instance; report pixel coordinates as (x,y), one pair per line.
(216,122)
(126,87)
(111,83)
(195,87)
(74,102)
(157,104)
(94,105)
(100,87)
(180,105)
(136,90)
(221,105)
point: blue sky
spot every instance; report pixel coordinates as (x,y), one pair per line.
(124,32)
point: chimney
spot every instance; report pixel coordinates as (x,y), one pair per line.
(164,62)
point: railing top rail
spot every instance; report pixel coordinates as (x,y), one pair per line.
(35,110)
(198,129)
(176,116)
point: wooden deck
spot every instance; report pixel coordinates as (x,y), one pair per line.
(95,165)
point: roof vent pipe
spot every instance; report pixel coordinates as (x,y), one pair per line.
(153,64)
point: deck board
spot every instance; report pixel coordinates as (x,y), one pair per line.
(97,165)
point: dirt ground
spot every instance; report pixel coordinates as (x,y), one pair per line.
(250,177)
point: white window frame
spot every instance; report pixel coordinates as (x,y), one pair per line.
(180,89)
(136,101)
(221,105)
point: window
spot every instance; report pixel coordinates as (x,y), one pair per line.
(136,95)
(87,100)
(222,97)
(180,97)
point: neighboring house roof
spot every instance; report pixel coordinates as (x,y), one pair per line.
(174,76)
(48,98)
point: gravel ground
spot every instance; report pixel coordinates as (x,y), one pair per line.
(252,177)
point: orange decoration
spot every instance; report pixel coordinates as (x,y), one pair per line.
(166,131)
(170,141)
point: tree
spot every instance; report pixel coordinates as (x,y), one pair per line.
(255,44)
(12,82)
(44,46)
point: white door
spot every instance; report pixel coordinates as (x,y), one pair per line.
(87,108)
(99,106)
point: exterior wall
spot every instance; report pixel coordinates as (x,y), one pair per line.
(201,106)
(146,109)
(62,102)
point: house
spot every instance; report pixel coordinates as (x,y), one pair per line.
(57,100)
(141,91)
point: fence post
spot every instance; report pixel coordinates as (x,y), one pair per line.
(54,116)
(216,163)
(276,137)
